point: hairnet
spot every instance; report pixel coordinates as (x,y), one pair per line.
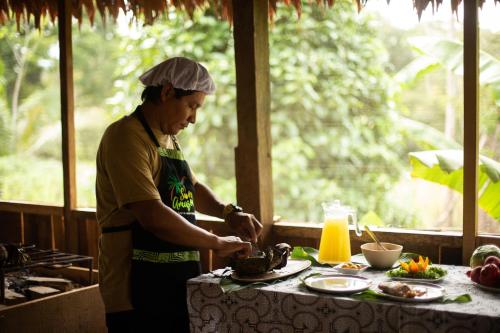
(182,73)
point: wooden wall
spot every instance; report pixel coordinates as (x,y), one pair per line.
(45,226)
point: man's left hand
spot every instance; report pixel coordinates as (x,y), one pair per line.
(246,225)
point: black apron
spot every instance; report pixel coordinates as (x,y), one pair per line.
(160,269)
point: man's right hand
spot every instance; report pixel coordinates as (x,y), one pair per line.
(232,245)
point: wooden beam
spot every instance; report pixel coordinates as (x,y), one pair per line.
(254,188)
(471,127)
(67,122)
(392,235)
(30,208)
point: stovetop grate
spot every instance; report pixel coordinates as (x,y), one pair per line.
(43,258)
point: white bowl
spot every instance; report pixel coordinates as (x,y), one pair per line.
(379,258)
(351,271)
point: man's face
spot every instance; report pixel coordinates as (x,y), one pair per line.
(178,113)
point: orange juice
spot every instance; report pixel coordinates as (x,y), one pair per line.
(335,245)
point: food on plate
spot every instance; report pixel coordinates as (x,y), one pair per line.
(482,252)
(400,289)
(421,269)
(350,265)
(272,258)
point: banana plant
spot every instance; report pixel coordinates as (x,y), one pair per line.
(446,166)
(446,53)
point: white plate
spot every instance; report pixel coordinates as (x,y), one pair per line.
(337,283)
(405,279)
(432,292)
(351,271)
(493,289)
(293,266)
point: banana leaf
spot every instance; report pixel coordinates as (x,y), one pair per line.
(446,167)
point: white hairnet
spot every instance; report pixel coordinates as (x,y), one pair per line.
(182,73)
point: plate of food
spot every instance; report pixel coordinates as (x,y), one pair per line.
(271,264)
(411,291)
(337,283)
(350,268)
(293,266)
(417,271)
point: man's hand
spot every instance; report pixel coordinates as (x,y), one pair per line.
(229,245)
(246,225)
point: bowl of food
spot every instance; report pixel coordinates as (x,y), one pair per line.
(381,258)
(264,261)
(350,268)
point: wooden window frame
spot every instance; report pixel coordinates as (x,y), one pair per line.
(253,153)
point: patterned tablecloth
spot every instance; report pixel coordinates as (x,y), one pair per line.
(287,307)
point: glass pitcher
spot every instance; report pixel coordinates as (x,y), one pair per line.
(335,244)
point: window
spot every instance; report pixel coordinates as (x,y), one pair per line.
(30,126)
(354,95)
(94,72)
(489,121)
(107,88)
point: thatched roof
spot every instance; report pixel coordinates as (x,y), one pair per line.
(38,10)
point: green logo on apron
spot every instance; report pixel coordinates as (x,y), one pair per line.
(182,199)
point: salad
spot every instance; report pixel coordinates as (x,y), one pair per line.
(420,269)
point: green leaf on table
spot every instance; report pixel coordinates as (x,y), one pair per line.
(464,298)
(308,253)
(368,294)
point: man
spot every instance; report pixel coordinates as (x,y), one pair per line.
(146,199)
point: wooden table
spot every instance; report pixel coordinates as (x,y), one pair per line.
(287,306)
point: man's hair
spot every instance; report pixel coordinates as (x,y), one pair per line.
(152,93)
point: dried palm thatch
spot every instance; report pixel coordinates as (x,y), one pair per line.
(149,10)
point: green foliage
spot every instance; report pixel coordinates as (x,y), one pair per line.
(31,179)
(337,128)
(446,167)
(371,218)
(30,84)
(333,132)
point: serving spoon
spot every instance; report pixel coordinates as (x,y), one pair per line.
(372,235)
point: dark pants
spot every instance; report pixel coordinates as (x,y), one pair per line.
(135,321)
(159,295)
(122,321)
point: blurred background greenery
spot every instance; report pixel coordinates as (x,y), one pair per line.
(352,96)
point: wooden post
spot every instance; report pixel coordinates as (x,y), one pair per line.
(253,153)
(67,122)
(471,127)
